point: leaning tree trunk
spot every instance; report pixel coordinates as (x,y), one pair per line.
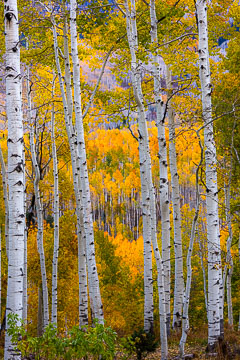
(178,279)
(95,299)
(214,254)
(15,170)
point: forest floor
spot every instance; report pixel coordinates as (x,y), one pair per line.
(196,347)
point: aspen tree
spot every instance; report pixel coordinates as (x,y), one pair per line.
(82,265)
(15,170)
(164,196)
(67,107)
(5,197)
(143,154)
(178,279)
(39,212)
(56,219)
(214,255)
(148,194)
(186,300)
(86,200)
(25,279)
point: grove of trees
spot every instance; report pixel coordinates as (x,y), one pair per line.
(120,160)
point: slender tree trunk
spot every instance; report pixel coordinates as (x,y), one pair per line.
(40,230)
(164,196)
(25,281)
(143,149)
(178,279)
(147,191)
(40,312)
(228,269)
(87,207)
(185,317)
(56,222)
(15,170)
(214,254)
(67,106)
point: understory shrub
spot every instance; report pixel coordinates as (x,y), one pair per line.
(95,342)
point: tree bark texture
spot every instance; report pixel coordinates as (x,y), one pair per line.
(15,170)
(214,254)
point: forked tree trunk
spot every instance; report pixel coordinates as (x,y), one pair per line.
(214,254)
(95,296)
(15,170)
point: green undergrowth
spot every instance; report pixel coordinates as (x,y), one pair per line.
(89,342)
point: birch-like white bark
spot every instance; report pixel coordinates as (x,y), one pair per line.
(95,299)
(5,197)
(143,159)
(147,190)
(25,281)
(67,106)
(164,196)
(56,220)
(214,254)
(178,279)
(185,316)
(15,170)
(39,212)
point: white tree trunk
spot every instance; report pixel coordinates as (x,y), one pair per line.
(164,196)
(67,106)
(40,247)
(214,254)
(95,299)
(185,317)
(25,283)
(148,194)
(178,279)
(144,168)
(5,197)
(56,222)
(15,170)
